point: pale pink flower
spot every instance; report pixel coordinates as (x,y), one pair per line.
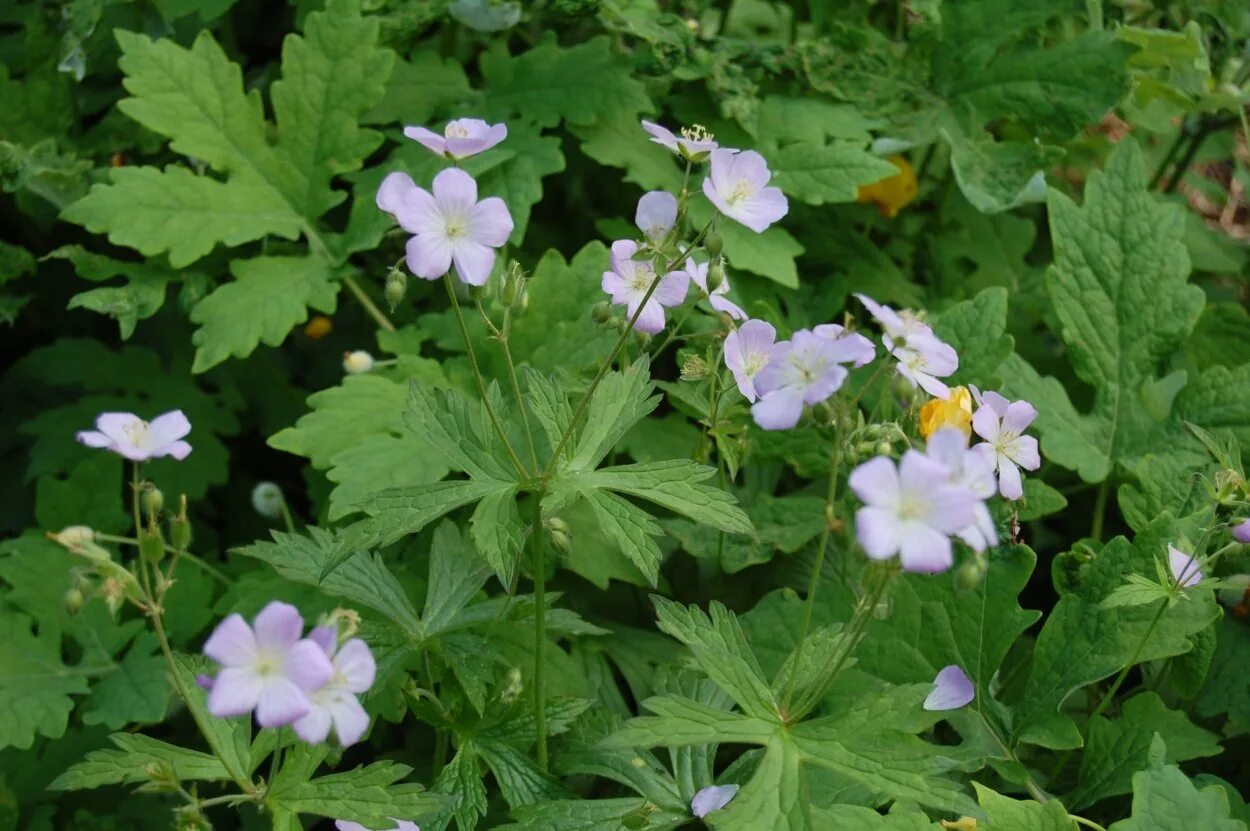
(400,825)
(748,349)
(737,185)
(450,226)
(972,470)
(656,215)
(629,281)
(712,799)
(853,348)
(335,705)
(718,298)
(130,436)
(693,144)
(462,137)
(1002,424)
(801,371)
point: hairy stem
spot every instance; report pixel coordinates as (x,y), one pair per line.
(481,383)
(540,632)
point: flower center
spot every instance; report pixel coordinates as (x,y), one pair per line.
(696,133)
(456,131)
(911,508)
(643,276)
(456,227)
(267,664)
(136,432)
(742,190)
(755,362)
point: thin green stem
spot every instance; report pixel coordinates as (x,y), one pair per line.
(367,303)
(611,359)
(199,562)
(1088,823)
(287,519)
(672,334)
(813,580)
(502,337)
(1030,784)
(540,632)
(1100,509)
(481,384)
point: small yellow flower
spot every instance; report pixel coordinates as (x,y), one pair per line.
(892,194)
(319,327)
(955,411)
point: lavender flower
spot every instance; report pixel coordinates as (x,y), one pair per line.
(400,825)
(748,349)
(1002,424)
(972,470)
(268,669)
(910,510)
(853,348)
(922,356)
(335,705)
(803,370)
(656,215)
(630,279)
(952,689)
(1184,568)
(717,297)
(462,138)
(1241,531)
(130,436)
(450,226)
(712,799)
(737,185)
(693,144)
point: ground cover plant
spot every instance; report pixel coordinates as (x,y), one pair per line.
(586,415)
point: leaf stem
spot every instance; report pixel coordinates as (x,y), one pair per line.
(200,563)
(1088,823)
(1100,508)
(374,312)
(502,337)
(481,384)
(540,631)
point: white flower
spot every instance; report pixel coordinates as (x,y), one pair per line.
(1002,424)
(972,470)
(462,137)
(922,356)
(334,704)
(737,185)
(1184,568)
(853,347)
(130,436)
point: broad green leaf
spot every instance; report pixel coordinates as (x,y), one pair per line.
(619,402)
(1119,748)
(776,797)
(418,88)
(35,686)
(628,527)
(999,176)
(518,181)
(683,722)
(592,815)
(370,795)
(141,297)
(331,76)
(718,644)
(230,739)
(499,532)
(819,173)
(676,485)
(174,210)
(462,780)
(457,427)
(267,299)
(548,84)
(1165,800)
(770,254)
(457,574)
(1006,814)
(363,579)
(1082,642)
(555,332)
(1119,290)
(1227,690)
(617,140)
(977,329)
(136,691)
(131,762)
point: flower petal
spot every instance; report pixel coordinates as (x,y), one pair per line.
(307,666)
(232,642)
(1009,483)
(924,549)
(429,256)
(314,726)
(281,702)
(672,288)
(168,427)
(355,663)
(952,689)
(876,482)
(656,214)
(1024,452)
(235,691)
(455,191)
(489,222)
(712,799)
(350,719)
(878,531)
(431,140)
(93,438)
(779,409)
(473,262)
(278,626)
(178,450)
(651,321)
(762,210)
(1184,568)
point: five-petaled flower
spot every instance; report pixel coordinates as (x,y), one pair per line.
(130,436)
(803,370)
(1002,424)
(910,510)
(269,668)
(718,296)
(954,412)
(972,470)
(922,356)
(334,704)
(693,144)
(449,226)
(711,799)
(1184,568)
(656,215)
(748,349)
(737,185)
(630,280)
(461,138)
(952,689)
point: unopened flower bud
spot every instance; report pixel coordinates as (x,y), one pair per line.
(602,312)
(358,362)
(715,275)
(267,500)
(153,501)
(1241,531)
(514,687)
(73,600)
(151,544)
(80,540)
(714,245)
(346,623)
(1227,483)
(693,368)
(396,288)
(180,527)
(884,448)
(558,531)
(970,574)
(513,285)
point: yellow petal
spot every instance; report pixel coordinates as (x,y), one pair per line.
(955,411)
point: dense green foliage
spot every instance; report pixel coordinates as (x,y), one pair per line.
(593,585)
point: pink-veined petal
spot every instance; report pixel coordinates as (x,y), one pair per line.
(1024,453)
(473,262)
(489,222)
(429,256)
(931,385)
(1184,568)
(878,531)
(355,663)
(615,286)
(996,402)
(1018,416)
(923,549)
(278,626)
(712,799)
(235,691)
(661,135)
(429,139)
(751,166)
(281,702)
(232,642)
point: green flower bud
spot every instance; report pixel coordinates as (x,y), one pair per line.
(970,574)
(715,275)
(73,600)
(693,368)
(558,531)
(267,500)
(153,501)
(396,287)
(151,544)
(602,312)
(180,528)
(513,285)
(714,245)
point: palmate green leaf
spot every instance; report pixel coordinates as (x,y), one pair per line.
(1081,642)
(519,180)
(175,211)
(1227,689)
(619,402)
(1119,289)
(775,797)
(136,691)
(548,84)
(370,795)
(35,686)
(1006,814)
(230,738)
(819,173)
(1119,748)
(462,780)
(1165,800)
(141,297)
(457,574)
(364,579)
(673,484)
(499,532)
(457,427)
(419,87)
(267,299)
(356,432)
(132,761)
(617,140)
